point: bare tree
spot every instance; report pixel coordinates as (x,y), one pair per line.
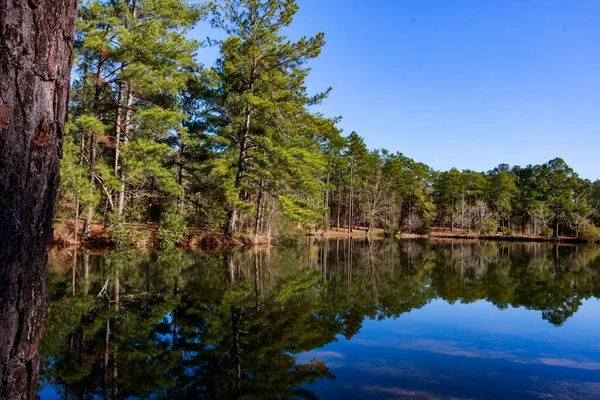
(463,211)
(413,222)
(481,212)
(541,215)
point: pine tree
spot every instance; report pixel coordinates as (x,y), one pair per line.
(268,137)
(134,61)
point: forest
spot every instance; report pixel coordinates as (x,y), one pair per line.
(237,148)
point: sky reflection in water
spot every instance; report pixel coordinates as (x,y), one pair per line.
(419,320)
(475,350)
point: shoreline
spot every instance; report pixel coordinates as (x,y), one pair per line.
(207,239)
(457,236)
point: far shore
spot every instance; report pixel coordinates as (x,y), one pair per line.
(197,238)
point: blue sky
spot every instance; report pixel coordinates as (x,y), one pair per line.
(465,84)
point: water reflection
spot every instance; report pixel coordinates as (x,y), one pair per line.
(190,325)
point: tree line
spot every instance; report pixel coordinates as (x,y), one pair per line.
(154,136)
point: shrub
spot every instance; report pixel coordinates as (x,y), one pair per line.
(424,229)
(546,232)
(171,227)
(122,236)
(289,237)
(390,230)
(507,231)
(589,232)
(489,227)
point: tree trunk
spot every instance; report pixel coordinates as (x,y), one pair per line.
(76,233)
(180,161)
(87,227)
(327,209)
(351,202)
(126,127)
(339,204)
(232,214)
(118,127)
(452,217)
(36,41)
(118,123)
(259,211)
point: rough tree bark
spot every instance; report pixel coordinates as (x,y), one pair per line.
(36,39)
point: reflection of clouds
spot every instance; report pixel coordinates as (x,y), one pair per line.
(469,350)
(401,393)
(538,388)
(381,367)
(328,354)
(559,390)
(447,347)
(452,348)
(565,362)
(322,355)
(331,358)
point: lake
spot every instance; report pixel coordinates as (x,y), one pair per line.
(351,319)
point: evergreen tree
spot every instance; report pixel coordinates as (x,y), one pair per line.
(558,183)
(268,137)
(133,62)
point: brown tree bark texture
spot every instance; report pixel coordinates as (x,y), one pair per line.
(36,40)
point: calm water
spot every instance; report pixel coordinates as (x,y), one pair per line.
(336,319)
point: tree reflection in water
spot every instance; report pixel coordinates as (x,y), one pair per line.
(192,325)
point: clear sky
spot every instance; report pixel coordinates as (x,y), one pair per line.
(465,84)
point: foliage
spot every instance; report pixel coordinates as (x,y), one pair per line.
(238,144)
(289,238)
(546,232)
(589,232)
(489,227)
(391,230)
(75,182)
(123,235)
(171,227)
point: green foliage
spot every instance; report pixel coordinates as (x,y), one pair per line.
(299,210)
(391,230)
(289,238)
(90,124)
(503,191)
(133,61)
(424,229)
(239,145)
(589,232)
(171,227)
(489,227)
(124,236)
(75,179)
(144,161)
(546,232)
(265,129)
(558,181)
(507,231)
